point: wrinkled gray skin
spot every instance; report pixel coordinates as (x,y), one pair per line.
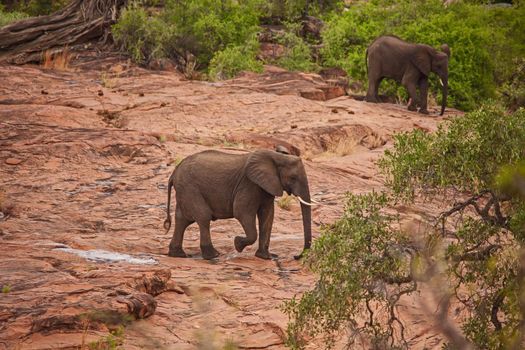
(408,64)
(213,185)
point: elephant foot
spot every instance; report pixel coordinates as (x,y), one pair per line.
(300,256)
(177,253)
(265,254)
(371,99)
(240,243)
(423,111)
(209,252)
(412,108)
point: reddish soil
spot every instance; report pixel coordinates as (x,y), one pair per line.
(85,157)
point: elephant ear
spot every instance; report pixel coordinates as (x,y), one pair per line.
(261,169)
(422,59)
(446,49)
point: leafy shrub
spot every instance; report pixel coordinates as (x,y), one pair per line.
(43,7)
(484,41)
(34,7)
(204,27)
(512,92)
(366,260)
(8,17)
(297,54)
(452,156)
(350,257)
(221,31)
(144,37)
(229,62)
(293,10)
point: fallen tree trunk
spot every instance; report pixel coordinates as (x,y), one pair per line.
(79,22)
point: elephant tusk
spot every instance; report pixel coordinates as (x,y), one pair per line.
(304,202)
(441,82)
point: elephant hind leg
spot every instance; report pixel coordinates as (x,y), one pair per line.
(372,94)
(199,211)
(207,249)
(181,223)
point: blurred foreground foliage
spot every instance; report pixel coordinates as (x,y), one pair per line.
(474,167)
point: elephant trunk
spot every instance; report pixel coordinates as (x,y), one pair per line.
(306,212)
(445,93)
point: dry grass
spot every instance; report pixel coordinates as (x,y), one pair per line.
(190,68)
(343,146)
(111,118)
(7,208)
(108,80)
(285,202)
(58,60)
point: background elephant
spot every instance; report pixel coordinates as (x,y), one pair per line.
(410,65)
(214,185)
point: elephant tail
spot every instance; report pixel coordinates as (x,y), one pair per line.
(167,222)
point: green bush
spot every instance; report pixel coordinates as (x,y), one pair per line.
(366,261)
(464,154)
(512,92)
(204,27)
(212,31)
(142,36)
(293,10)
(34,7)
(8,17)
(229,62)
(297,54)
(484,41)
(43,7)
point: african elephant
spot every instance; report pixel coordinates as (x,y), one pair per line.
(213,185)
(410,65)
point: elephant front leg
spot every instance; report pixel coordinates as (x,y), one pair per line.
(412,93)
(409,81)
(248,224)
(265,216)
(423,95)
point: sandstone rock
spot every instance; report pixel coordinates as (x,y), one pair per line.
(270,51)
(331,92)
(155,283)
(140,305)
(333,73)
(313,94)
(13,161)
(92,187)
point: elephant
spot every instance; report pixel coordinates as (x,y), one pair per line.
(213,185)
(409,64)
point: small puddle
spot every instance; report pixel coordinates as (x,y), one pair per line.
(99,255)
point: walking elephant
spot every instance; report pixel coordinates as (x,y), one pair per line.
(409,64)
(213,185)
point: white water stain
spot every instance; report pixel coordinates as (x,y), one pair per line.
(99,255)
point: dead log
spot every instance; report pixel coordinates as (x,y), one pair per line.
(79,22)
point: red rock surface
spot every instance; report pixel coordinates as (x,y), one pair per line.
(85,165)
